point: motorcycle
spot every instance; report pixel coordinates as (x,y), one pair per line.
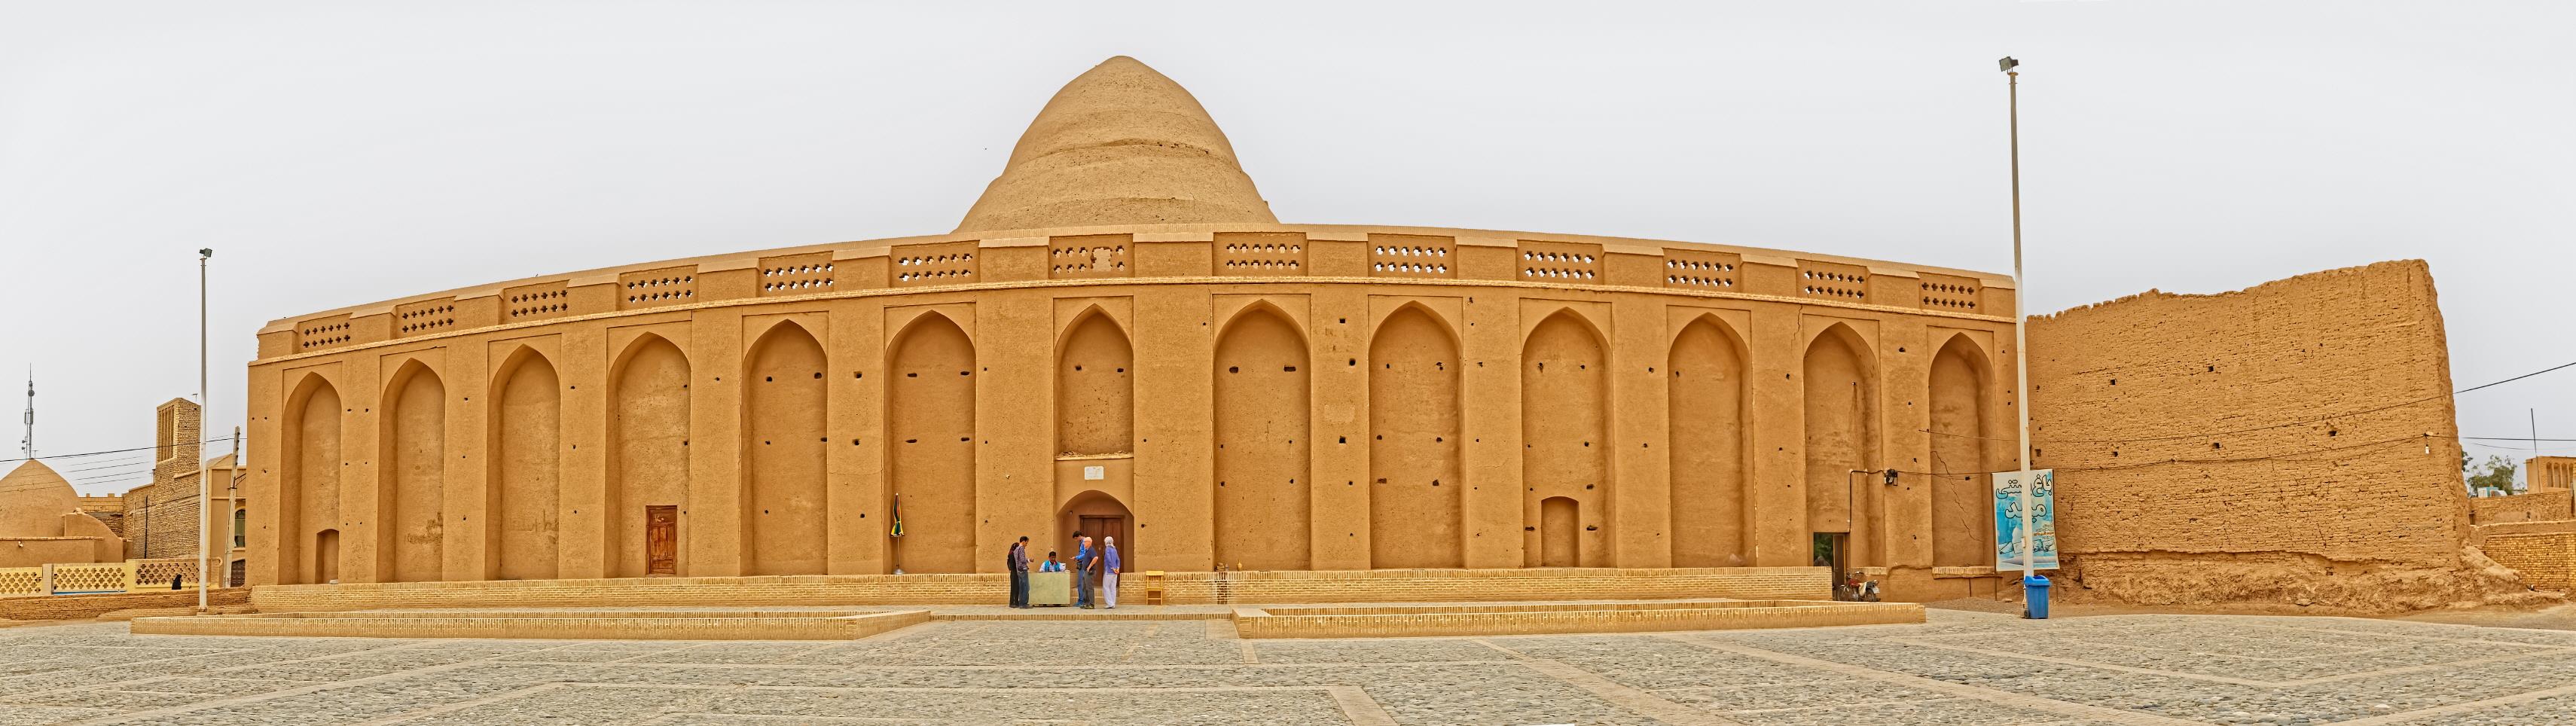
(1856,589)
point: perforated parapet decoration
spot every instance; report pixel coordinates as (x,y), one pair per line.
(424,317)
(541,301)
(320,333)
(149,572)
(1950,292)
(804,274)
(1833,281)
(943,263)
(100,577)
(1088,256)
(1412,255)
(1560,262)
(1259,254)
(22,581)
(652,288)
(1699,269)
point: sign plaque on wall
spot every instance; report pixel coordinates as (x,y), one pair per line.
(2010,497)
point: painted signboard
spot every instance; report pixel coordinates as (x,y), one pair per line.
(2009,500)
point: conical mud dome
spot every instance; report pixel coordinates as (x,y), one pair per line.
(1119,145)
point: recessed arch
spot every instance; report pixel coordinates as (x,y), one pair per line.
(1565,417)
(648,449)
(1963,525)
(1095,387)
(309,487)
(930,422)
(1416,518)
(784,424)
(1841,437)
(1262,509)
(524,540)
(1706,373)
(411,500)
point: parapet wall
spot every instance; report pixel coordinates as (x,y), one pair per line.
(1251,397)
(2293,443)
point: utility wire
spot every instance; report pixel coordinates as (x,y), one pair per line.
(2389,443)
(138,448)
(2171,437)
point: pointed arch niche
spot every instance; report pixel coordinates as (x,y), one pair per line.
(648,449)
(1263,514)
(309,489)
(1565,430)
(783,444)
(1963,525)
(1415,515)
(1705,391)
(524,541)
(930,416)
(1095,389)
(411,507)
(1841,435)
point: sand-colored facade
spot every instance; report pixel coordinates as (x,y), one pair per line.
(1157,360)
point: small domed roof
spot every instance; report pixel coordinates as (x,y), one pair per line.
(1121,144)
(33,500)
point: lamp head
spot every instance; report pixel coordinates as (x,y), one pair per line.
(2008,64)
(207,252)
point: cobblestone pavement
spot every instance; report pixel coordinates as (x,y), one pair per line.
(1962,668)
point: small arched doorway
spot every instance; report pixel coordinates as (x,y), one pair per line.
(326,556)
(1560,545)
(1099,515)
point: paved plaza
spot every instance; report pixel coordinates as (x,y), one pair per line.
(1961,668)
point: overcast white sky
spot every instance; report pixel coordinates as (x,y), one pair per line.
(343,153)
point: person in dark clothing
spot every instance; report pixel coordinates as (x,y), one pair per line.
(1018,562)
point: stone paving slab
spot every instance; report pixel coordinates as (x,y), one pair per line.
(1957,669)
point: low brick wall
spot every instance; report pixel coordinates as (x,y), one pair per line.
(2539,506)
(2546,560)
(1186,588)
(80,607)
(556,626)
(1745,583)
(1457,621)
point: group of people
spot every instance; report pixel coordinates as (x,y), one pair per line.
(1088,562)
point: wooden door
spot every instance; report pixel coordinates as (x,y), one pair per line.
(662,540)
(1101,527)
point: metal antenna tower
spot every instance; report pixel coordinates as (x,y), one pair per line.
(27,446)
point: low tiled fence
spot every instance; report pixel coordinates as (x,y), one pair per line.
(98,577)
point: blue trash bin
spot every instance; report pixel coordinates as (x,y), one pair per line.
(2035,597)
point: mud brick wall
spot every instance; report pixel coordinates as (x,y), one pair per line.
(2547,561)
(2178,482)
(2542,506)
(73,607)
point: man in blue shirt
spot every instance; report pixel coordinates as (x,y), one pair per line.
(1109,571)
(1083,559)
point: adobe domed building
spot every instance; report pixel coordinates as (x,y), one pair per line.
(1121,338)
(41,522)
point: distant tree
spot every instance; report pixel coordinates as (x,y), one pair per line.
(2496,471)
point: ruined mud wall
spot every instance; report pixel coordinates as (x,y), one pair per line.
(2290,444)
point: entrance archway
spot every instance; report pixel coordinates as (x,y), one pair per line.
(1099,515)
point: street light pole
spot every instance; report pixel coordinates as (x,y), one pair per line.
(204,414)
(2021,323)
